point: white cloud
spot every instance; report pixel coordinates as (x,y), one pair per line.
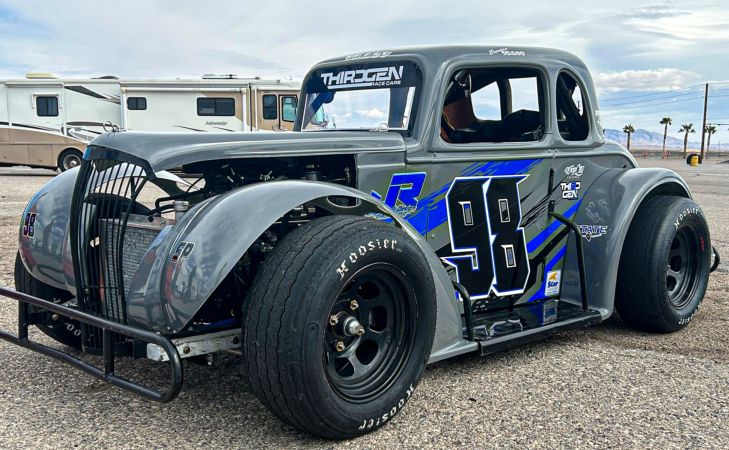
(664,79)
(373,113)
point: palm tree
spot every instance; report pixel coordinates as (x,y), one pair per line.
(666,121)
(686,129)
(629,130)
(710,129)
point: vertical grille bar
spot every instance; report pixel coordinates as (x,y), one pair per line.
(104,196)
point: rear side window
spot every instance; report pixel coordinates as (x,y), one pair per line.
(137,103)
(207,106)
(270,112)
(491,105)
(572,120)
(46,106)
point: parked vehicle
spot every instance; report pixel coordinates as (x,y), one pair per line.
(47,122)
(466,202)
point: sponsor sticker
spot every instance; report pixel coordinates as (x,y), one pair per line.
(574,171)
(590,232)
(403,193)
(570,189)
(368,55)
(359,78)
(506,52)
(553,283)
(549,313)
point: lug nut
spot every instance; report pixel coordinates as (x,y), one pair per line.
(340,346)
(333,320)
(353,305)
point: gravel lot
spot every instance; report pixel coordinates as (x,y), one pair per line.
(606,386)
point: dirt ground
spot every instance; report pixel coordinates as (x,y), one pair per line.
(606,386)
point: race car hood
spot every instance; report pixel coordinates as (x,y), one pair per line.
(167,150)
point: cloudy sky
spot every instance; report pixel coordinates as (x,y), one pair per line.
(648,59)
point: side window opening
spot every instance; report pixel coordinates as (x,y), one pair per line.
(288,108)
(571,117)
(136,103)
(493,105)
(46,106)
(270,110)
(210,106)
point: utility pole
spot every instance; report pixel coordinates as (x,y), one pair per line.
(703,128)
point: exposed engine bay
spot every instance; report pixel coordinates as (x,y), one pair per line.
(213,178)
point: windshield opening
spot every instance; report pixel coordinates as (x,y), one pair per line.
(362,97)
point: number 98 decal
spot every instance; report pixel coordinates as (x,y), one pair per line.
(488,243)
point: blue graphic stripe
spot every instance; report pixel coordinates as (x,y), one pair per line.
(539,239)
(432,213)
(550,265)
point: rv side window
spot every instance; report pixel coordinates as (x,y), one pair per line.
(269,107)
(136,103)
(207,106)
(288,108)
(46,106)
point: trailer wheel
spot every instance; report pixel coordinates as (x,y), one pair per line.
(65,331)
(665,264)
(339,326)
(69,158)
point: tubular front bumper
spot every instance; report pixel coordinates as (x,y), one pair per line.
(109,329)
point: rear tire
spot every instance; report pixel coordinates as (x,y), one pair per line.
(69,158)
(291,340)
(665,264)
(65,331)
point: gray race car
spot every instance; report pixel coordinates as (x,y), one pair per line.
(430,202)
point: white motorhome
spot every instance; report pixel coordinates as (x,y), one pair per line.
(47,122)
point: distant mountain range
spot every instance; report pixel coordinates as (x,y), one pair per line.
(645,138)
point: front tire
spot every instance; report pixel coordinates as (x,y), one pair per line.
(665,264)
(339,326)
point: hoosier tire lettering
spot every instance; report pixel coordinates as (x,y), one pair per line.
(361,250)
(368,424)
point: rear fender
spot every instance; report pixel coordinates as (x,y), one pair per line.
(165,294)
(612,202)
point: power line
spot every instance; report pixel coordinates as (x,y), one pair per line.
(672,96)
(654,99)
(655,93)
(608,107)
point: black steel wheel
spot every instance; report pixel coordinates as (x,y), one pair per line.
(682,267)
(338,325)
(370,332)
(665,265)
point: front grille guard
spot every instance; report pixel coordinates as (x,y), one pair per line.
(105,193)
(109,331)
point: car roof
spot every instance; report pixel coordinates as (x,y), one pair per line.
(441,53)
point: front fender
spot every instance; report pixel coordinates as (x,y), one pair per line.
(165,294)
(47,253)
(612,202)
